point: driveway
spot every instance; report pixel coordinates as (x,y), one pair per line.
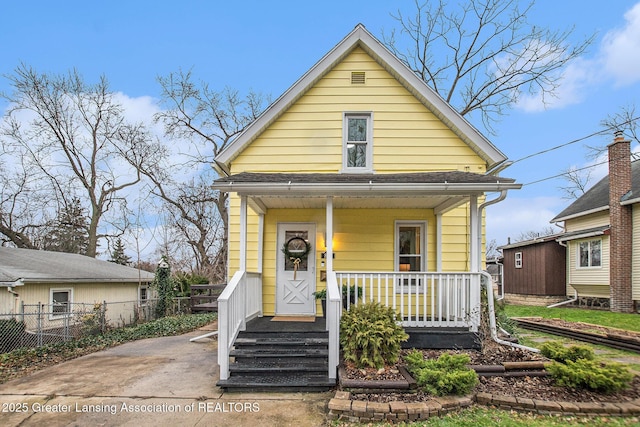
(154,382)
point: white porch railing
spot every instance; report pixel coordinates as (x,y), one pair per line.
(421,299)
(240,301)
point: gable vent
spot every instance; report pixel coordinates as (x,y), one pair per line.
(357,77)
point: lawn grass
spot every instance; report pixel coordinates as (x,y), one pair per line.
(479,416)
(630,322)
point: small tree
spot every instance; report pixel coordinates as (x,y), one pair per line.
(163,283)
(69,231)
(118,256)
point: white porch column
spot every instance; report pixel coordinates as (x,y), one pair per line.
(329,235)
(243,233)
(474,232)
(260,242)
(438,242)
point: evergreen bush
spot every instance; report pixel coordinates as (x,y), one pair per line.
(592,375)
(449,374)
(371,336)
(555,350)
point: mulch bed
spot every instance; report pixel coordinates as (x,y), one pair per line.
(533,387)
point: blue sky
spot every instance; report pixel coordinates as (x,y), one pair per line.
(267,45)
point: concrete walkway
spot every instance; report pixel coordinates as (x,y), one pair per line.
(166,381)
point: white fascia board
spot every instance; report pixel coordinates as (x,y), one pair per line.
(630,201)
(579,214)
(580,236)
(362,189)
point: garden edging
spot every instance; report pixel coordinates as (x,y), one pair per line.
(342,407)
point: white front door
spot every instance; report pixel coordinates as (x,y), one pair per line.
(296,270)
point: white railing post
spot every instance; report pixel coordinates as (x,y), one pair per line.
(334,311)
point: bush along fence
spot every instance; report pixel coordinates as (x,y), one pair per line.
(40,324)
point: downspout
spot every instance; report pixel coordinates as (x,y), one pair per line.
(501,271)
(492,318)
(489,281)
(503,195)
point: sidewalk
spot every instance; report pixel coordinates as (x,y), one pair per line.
(165,381)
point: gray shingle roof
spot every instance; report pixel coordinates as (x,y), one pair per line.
(597,197)
(43,266)
(453,177)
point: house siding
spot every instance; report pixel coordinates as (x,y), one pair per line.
(598,219)
(407,137)
(363,241)
(590,282)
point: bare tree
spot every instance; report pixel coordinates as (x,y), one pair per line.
(536,234)
(578,181)
(209,120)
(482,55)
(75,136)
(626,120)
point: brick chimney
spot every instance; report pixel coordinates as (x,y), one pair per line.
(621,226)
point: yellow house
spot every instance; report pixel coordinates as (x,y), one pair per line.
(359,177)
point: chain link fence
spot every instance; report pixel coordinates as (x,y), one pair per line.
(40,324)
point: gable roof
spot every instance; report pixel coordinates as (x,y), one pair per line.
(360,37)
(19,266)
(596,199)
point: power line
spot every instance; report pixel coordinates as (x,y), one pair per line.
(603,131)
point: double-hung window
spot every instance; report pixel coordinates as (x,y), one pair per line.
(590,254)
(518,259)
(410,250)
(61,300)
(357,148)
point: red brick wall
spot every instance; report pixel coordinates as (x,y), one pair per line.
(621,225)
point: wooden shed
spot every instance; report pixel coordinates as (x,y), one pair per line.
(535,268)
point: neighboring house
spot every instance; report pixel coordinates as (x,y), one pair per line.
(370,179)
(533,271)
(56,283)
(602,231)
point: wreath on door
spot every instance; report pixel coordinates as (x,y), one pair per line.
(296,250)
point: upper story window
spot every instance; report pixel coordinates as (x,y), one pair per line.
(590,253)
(357,142)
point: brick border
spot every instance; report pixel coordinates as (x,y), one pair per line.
(342,407)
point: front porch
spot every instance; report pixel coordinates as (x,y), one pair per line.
(438,310)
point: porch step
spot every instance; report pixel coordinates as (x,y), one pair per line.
(285,356)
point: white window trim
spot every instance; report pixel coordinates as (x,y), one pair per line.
(423,247)
(518,259)
(52,315)
(369,160)
(589,267)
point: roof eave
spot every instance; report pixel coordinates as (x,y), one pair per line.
(361,37)
(579,214)
(363,189)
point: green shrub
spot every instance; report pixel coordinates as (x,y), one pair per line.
(556,351)
(449,374)
(589,374)
(370,335)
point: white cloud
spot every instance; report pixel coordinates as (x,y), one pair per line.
(515,216)
(620,47)
(578,75)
